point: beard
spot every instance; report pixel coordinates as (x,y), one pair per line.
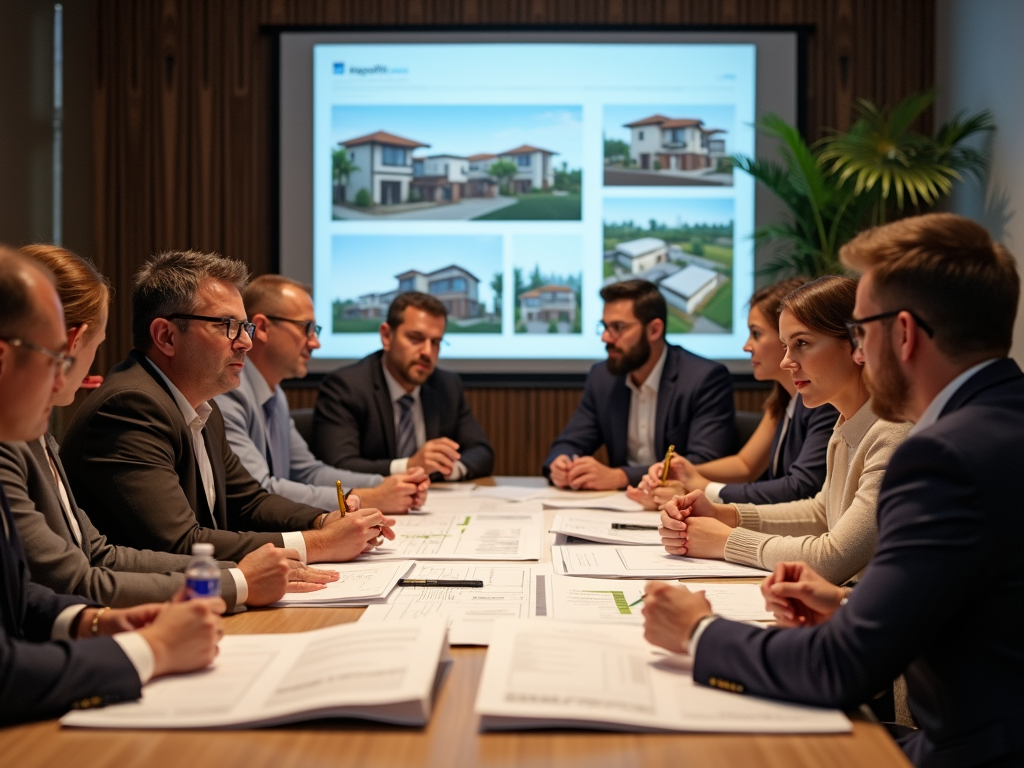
(889,387)
(631,358)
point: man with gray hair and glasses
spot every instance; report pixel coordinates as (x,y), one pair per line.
(148,451)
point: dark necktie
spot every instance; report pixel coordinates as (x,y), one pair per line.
(406,430)
(274,458)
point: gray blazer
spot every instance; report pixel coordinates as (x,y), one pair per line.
(96,569)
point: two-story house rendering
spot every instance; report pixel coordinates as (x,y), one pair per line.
(640,255)
(536,171)
(546,304)
(453,286)
(371,306)
(674,144)
(440,178)
(385,165)
(481,183)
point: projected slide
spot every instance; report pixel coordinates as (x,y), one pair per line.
(513,180)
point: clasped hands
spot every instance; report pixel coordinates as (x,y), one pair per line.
(585,473)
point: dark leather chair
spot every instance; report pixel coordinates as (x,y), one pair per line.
(303,418)
(746,423)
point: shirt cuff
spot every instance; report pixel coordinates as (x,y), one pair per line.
(138,652)
(241,585)
(458,472)
(293,540)
(62,624)
(714,492)
(695,638)
(398,466)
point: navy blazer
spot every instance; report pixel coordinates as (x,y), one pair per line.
(40,678)
(695,413)
(801,464)
(354,423)
(941,601)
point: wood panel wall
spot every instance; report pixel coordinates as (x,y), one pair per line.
(182,120)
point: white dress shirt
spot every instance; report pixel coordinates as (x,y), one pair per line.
(396,392)
(643,415)
(934,410)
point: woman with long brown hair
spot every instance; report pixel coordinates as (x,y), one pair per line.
(784,459)
(834,532)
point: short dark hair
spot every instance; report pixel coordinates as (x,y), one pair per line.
(946,269)
(263,293)
(648,303)
(169,283)
(421,301)
(17,310)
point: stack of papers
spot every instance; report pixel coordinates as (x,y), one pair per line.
(640,563)
(550,674)
(616,502)
(512,535)
(366,671)
(509,591)
(598,526)
(358,583)
(600,600)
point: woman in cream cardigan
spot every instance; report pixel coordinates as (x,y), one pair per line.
(834,532)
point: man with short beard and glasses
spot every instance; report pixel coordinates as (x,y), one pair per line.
(394,410)
(646,396)
(942,599)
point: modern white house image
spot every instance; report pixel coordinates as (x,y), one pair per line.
(640,255)
(439,178)
(536,171)
(674,144)
(371,306)
(539,307)
(687,288)
(455,287)
(383,165)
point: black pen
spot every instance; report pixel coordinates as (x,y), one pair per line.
(439,583)
(632,527)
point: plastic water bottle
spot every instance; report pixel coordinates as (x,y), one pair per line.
(202,577)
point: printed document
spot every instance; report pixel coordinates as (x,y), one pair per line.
(640,562)
(547,674)
(616,502)
(512,535)
(357,583)
(618,602)
(367,671)
(509,591)
(597,526)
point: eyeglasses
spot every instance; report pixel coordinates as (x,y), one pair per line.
(234,327)
(309,327)
(61,359)
(614,329)
(855,327)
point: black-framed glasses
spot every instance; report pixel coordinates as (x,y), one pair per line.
(233,326)
(309,327)
(65,361)
(614,329)
(855,326)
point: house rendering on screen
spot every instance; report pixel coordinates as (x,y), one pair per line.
(453,286)
(371,306)
(547,304)
(383,165)
(640,255)
(674,144)
(687,288)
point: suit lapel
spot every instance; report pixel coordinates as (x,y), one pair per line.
(431,402)
(618,413)
(213,449)
(14,571)
(666,391)
(385,412)
(44,467)
(1001,370)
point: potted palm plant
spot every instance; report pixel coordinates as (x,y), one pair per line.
(863,177)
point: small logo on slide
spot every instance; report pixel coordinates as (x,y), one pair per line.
(339,68)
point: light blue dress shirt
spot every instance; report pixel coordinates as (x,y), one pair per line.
(308,480)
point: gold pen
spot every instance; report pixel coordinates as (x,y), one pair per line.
(665,466)
(342,504)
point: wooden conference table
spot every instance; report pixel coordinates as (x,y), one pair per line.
(451,739)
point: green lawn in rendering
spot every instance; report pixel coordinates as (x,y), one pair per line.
(677,323)
(475,328)
(356,325)
(719,253)
(609,268)
(537,207)
(719,307)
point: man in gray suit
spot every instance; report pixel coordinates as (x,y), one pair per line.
(259,427)
(56,651)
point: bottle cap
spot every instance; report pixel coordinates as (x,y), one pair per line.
(202,549)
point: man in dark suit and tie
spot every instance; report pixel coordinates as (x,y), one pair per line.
(394,410)
(57,651)
(646,396)
(942,600)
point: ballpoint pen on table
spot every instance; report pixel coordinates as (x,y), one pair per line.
(439,583)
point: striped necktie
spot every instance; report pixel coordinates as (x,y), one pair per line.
(406,430)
